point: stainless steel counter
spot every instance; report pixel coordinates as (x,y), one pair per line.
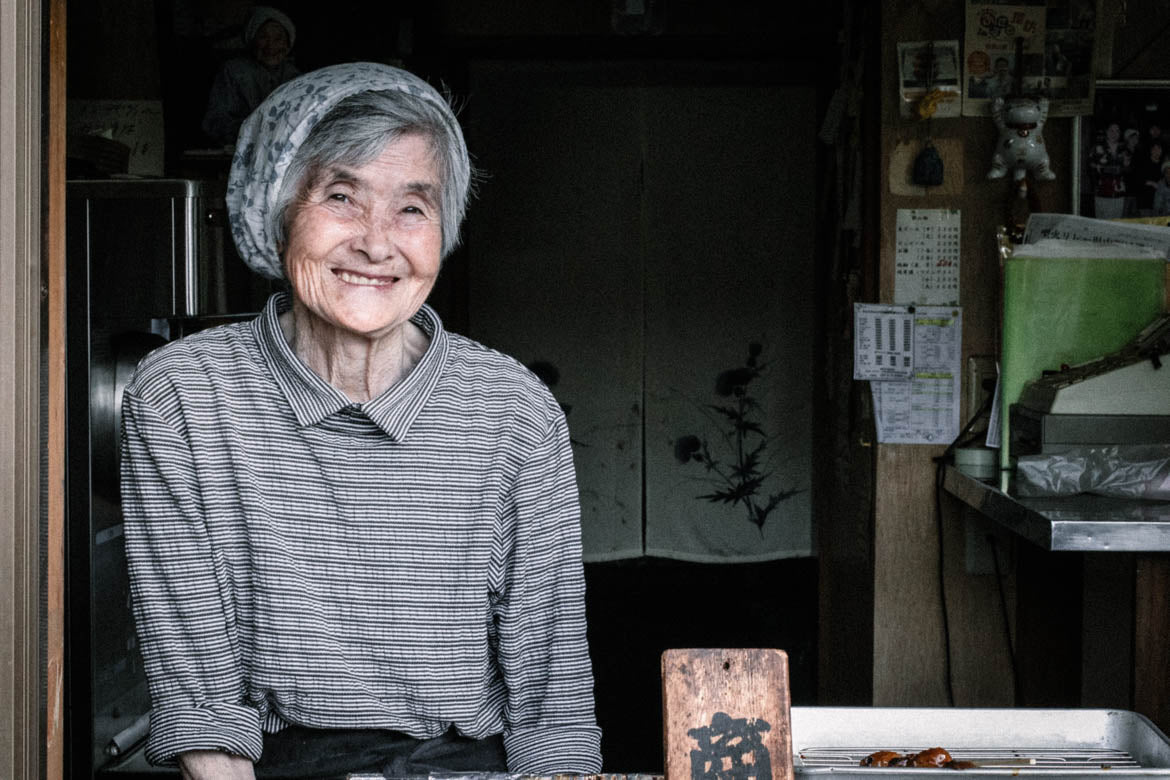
(1083,523)
(1056,744)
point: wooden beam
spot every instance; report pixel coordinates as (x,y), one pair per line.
(55,282)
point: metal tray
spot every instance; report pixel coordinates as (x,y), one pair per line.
(1051,743)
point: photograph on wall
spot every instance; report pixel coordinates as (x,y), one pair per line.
(1038,49)
(929,68)
(1122,168)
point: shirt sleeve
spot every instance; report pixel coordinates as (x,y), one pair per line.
(543,651)
(182,608)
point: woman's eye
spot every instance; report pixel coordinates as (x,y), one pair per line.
(340,197)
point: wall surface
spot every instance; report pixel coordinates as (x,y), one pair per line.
(1053,602)
(910,647)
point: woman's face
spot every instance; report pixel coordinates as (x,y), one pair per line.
(364,244)
(271,43)
(1113,132)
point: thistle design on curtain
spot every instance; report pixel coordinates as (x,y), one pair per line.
(735,459)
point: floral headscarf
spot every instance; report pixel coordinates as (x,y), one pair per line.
(270,137)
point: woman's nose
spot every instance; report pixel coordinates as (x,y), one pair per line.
(376,239)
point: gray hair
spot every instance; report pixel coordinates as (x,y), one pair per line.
(356,130)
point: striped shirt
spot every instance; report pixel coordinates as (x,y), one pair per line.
(409,563)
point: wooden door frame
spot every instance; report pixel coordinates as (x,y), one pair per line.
(32,187)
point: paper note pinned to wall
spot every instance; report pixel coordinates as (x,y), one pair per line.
(883,341)
(925,408)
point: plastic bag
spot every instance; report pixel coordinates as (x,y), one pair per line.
(1121,471)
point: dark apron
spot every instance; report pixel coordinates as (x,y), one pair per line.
(322,754)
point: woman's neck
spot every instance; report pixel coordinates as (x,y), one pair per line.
(361,368)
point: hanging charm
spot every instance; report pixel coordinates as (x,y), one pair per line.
(928,167)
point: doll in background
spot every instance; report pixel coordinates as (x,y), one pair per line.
(1146,175)
(243,82)
(1108,162)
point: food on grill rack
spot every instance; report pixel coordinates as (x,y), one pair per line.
(935,758)
(881,758)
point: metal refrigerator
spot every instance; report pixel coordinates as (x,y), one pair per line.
(147,261)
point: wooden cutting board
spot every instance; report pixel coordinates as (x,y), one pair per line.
(726,714)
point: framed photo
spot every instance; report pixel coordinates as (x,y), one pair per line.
(1121,152)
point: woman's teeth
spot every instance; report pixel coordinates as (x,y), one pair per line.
(369,281)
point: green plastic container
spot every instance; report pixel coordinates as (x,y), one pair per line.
(1066,302)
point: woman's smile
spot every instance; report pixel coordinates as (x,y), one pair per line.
(363,280)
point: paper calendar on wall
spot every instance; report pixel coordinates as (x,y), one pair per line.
(926,269)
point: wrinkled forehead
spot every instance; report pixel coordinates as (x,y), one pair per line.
(424,146)
(412,150)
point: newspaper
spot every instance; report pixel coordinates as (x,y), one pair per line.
(1057,57)
(1099,231)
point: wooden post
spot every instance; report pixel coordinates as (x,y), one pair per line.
(54,757)
(1151,668)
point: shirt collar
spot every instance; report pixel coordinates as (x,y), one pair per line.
(313,399)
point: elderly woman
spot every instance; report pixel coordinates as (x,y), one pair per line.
(353,537)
